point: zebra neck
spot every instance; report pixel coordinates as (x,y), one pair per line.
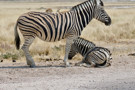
(84,13)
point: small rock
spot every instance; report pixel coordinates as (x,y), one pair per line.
(1,60)
(13,60)
(48,59)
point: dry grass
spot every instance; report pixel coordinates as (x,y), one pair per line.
(122,28)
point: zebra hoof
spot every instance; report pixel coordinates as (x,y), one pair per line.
(32,66)
(83,65)
(67,64)
(79,64)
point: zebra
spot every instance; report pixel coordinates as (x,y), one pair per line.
(53,27)
(97,57)
(89,51)
(82,46)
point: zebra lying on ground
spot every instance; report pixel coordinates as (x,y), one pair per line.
(54,27)
(81,46)
(92,56)
(97,57)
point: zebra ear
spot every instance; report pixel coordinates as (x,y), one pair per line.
(99,2)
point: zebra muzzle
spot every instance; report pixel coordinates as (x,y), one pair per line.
(108,22)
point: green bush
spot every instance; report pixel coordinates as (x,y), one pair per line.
(9,55)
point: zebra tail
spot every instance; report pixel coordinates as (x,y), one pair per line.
(17,38)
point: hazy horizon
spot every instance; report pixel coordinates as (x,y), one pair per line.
(65,0)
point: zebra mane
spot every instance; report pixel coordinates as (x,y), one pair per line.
(74,7)
(84,39)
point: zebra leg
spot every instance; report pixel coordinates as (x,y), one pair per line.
(69,42)
(106,65)
(83,64)
(79,63)
(25,48)
(86,65)
(92,64)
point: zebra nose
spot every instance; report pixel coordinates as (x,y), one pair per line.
(108,22)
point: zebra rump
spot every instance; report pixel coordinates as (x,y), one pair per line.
(98,57)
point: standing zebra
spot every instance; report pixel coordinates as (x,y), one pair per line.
(54,27)
(81,46)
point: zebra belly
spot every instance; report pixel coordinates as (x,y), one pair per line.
(48,40)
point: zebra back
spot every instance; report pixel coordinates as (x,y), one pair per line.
(81,46)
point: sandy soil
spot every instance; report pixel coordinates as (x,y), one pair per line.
(54,76)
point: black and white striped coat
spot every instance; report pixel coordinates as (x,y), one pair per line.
(81,46)
(54,27)
(97,57)
(93,56)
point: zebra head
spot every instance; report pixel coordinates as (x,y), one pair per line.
(100,13)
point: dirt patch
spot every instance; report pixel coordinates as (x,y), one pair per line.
(54,76)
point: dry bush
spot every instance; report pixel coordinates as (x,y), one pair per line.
(49,10)
(62,11)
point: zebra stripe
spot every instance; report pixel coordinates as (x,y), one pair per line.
(98,57)
(54,27)
(81,46)
(92,55)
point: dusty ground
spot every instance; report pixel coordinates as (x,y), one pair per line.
(53,76)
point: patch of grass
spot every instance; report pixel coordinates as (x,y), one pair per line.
(15,57)
(8,56)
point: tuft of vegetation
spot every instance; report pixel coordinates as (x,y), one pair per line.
(15,57)
(8,55)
